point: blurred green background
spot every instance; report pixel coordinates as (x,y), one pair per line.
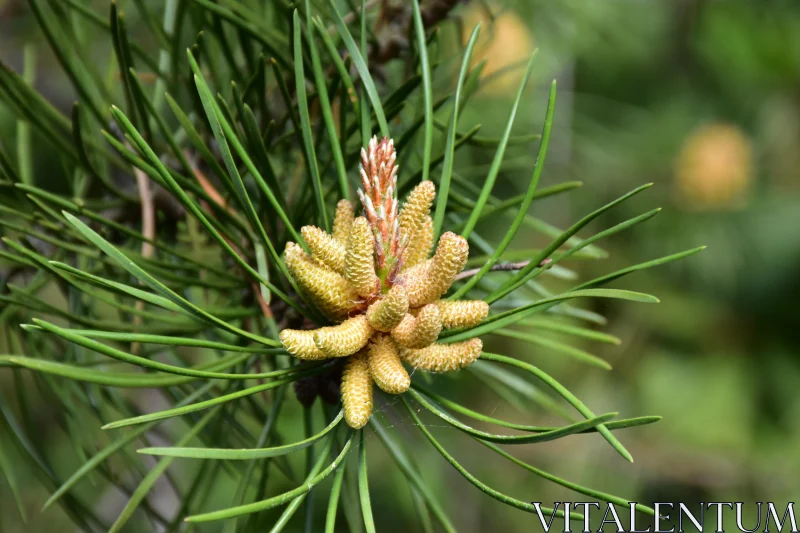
(702,98)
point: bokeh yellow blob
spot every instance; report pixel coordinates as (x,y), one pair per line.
(503,42)
(714,168)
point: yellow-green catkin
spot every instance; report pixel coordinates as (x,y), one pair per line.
(385,366)
(342,220)
(344,339)
(359,262)
(444,357)
(421,330)
(329,290)
(387,312)
(462,313)
(419,248)
(415,210)
(426,282)
(356,390)
(300,343)
(324,248)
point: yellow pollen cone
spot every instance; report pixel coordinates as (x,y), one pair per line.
(344,339)
(342,221)
(324,248)
(357,391)
(329,290)
(387,312)
(419,331)
(444,357)
(385,366)
(419,248)
(359,262)
(300,343)
(416,209)
(462,313)
(428,281)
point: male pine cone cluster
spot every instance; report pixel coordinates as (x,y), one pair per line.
(376,280)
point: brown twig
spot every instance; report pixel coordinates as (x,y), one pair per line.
(217,198)
(260,299)
(148,212)
(500,267)
(148,231)
(208,188)
(214,194)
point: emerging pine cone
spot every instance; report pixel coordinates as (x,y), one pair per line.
(376,280)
